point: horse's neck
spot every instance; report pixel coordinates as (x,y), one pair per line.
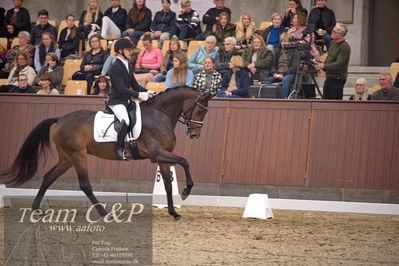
(172,104)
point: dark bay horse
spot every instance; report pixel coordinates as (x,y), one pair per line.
(73,137)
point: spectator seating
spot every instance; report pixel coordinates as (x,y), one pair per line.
(165,46)
(112,52)
(141,46)
(194,45)
(4,43)
(14,42)
(394,70)
(75,87)
(263,25)
(375,88)
(155,86)
(70,67)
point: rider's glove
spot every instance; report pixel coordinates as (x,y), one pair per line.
(144,96)
(151,93)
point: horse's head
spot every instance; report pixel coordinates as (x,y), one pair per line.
(194,111)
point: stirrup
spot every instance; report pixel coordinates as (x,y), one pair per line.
(121,155)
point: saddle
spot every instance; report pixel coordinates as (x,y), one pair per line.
(131,110)
(107,126)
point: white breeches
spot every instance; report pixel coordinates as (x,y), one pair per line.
(120,112)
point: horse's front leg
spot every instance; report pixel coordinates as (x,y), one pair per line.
(163,156)
(165,171)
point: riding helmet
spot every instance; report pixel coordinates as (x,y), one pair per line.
(122,44)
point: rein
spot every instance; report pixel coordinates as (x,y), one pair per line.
(188,121)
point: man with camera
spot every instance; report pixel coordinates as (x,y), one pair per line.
(336,64)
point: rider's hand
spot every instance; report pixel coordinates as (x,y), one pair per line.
(151,93)
(144,96)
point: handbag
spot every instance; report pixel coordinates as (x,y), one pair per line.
(141,70)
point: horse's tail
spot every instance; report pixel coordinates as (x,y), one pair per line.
(26,163)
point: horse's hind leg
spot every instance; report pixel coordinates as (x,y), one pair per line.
(80,164)
(60,168)
(165,171)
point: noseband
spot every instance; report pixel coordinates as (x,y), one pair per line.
(192,124)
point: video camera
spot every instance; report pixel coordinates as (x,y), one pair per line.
(302,46)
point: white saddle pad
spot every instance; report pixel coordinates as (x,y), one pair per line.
(102,121)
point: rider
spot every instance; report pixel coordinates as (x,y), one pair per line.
(124,86)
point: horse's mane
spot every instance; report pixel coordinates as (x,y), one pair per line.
(167,91)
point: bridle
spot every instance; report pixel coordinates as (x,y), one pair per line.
(190,123)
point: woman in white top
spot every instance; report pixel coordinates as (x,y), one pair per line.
(21,67)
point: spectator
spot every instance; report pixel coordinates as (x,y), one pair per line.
(53,70)
(48,45)
(167,62)
(17,19)
(208,80)
(294,6)
(197,60)
(102,86)
(114,21)
(69,39)
(236,82)
(257,59)
(362,93)
(225,55)
(46,86)
(271,35)
(148,62)
(272,38)
(287,68)
(163,23)
(22,66)
(24,45)
(23,86)
(187,22)
(2,19)
(43,26)
(324,20)
(92,62)
(211,17)
(179,75)
(388,91)
(138,21)
(336,64)
(111,59)
(244,31)
(299,25)
(223,28)
(91,19)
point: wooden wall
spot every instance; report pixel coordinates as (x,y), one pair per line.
(266,142)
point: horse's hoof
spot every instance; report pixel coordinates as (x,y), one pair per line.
(178,218)
(184,194)
(39,212)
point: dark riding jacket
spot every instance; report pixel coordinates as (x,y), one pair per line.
(124,84)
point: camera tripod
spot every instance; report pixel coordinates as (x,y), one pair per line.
(303,71)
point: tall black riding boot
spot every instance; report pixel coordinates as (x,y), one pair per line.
(120,143)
